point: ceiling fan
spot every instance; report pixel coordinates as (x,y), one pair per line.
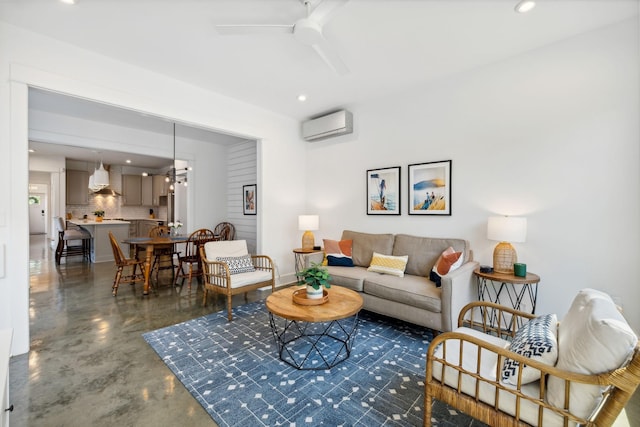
(306,30)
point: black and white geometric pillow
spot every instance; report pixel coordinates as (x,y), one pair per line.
(238,264)
(536,340)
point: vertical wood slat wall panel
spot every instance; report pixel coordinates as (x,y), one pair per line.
(241,170)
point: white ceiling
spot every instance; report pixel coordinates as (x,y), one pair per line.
(388,45)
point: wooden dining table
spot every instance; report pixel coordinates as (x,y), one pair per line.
(149,243)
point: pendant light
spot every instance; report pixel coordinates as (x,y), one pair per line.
(176,176)
(101,177)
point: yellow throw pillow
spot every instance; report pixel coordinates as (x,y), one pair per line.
(387,264)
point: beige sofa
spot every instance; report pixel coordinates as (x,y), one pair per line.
(412,298)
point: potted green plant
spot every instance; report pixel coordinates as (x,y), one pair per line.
(99,214)
(315,278)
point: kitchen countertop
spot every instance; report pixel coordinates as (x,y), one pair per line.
(82,222)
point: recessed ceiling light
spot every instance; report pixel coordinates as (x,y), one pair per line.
(302,97)
(128,161)
(68,1)
(525,6)
(31,150)
(145,174)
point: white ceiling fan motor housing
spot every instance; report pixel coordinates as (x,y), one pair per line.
(307,31)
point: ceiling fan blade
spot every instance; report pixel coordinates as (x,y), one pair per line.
(330,57)
(322,12)
(254,29)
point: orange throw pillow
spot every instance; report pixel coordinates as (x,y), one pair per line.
(448,261)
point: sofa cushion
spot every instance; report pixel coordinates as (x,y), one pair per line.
(536,340)
(593,338)
(338,253)
(449,260)
(415,291)
(388,264)
(364,244)
(349,277)
(424,251)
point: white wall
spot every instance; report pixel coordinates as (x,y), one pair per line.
(27,59)
(552,135)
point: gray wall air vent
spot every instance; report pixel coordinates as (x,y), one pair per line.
(334,124)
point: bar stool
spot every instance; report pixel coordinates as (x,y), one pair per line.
(67,236)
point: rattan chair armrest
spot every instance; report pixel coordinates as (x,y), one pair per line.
(481,315)
(601,379)
(263,262)
(217,269)
(502,354)
(487,304)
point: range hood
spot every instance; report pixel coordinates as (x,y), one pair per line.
(107,192)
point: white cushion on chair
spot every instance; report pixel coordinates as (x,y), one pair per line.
(488,370)
(225,248)
(593,338)
(242,279)
(75,235)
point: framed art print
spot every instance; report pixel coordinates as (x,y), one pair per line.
(249,199)
(430,188)
(383,191)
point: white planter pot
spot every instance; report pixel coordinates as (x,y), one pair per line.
(313,293)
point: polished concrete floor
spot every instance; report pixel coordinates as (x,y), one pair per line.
(88,364)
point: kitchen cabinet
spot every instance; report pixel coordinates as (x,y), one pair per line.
(77,187)
(147,191)
(160,188)
(131,190)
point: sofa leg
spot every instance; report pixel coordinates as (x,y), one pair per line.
(229,315)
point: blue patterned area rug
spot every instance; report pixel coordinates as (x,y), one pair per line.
(233,370)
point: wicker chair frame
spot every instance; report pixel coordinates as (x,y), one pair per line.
(217,279)
(620,383)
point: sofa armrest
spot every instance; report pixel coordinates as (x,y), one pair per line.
(458,289)
(312,258)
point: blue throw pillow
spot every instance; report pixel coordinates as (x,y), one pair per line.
(339,261)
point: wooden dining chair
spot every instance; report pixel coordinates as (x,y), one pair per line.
(191,257)
(121,263)
(162,254)
(225,230)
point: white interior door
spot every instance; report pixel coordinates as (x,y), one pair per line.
(37,213)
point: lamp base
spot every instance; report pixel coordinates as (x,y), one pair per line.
(308,240)
(504,256)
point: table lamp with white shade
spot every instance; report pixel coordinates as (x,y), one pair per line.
(506,229)
(308,223)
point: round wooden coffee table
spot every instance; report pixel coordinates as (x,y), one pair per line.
(314,336)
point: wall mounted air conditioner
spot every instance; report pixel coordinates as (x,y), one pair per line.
(330,125)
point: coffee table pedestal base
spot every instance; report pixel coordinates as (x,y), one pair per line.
(313,345)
